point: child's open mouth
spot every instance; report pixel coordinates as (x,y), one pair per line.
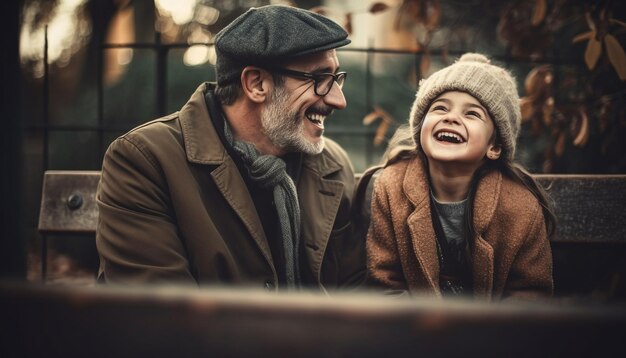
(449,137)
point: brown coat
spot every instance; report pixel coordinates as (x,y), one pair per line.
(511,256)
(175,209)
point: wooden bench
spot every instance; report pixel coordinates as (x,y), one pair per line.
(68,208)
(589,248)
(165,321)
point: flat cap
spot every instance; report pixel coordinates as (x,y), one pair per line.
(268,33)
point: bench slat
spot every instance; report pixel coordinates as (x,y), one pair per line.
(589,208)
(68,202)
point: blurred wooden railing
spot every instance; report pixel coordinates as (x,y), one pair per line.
(106,321)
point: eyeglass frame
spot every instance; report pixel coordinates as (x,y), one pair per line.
(312,76)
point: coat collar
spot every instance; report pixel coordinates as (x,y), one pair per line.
(202,143)
(322,164)
(320,197)
(417,189)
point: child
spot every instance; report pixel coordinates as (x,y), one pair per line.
(452,214)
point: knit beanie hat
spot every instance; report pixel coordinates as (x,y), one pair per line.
(492,86)
(267,34)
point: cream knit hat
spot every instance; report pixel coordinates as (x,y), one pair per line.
(493,86)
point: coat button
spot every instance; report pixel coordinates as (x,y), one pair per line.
(269,285)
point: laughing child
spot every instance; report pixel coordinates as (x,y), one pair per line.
(452,214)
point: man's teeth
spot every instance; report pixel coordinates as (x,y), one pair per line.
(317,118)
(450,137)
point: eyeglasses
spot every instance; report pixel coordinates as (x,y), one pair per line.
(323,81)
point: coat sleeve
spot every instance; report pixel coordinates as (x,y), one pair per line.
(383,260)
(351,255)
(137,237)
(351,261)
(530,276)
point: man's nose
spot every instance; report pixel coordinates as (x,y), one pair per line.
(335,97)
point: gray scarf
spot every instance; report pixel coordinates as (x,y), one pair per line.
(270,172)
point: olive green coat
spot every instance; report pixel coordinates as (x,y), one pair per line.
(175,209)
(511,254)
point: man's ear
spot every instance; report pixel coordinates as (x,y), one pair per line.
(255,83)
(494,152)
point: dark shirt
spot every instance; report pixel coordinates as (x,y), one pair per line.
(449,223)
(263,198)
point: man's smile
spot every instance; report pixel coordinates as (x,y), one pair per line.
(317,117)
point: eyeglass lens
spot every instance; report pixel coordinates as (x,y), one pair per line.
(325,83)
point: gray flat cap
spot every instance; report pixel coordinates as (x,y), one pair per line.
(268,33)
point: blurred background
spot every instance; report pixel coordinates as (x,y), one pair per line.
(90,70)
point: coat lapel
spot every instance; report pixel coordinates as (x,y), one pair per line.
(416,188)
(233,188)
(487,196)
(203,146)
(482,268)
(319,202)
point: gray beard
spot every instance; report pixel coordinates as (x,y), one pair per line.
(285,128)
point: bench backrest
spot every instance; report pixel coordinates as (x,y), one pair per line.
(590,208)
(588,249)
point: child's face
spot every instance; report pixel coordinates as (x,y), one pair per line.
(458,131)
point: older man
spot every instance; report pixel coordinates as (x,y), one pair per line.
(240,186)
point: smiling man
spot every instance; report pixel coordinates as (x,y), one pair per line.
(240,187)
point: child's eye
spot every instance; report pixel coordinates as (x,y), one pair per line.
(438,108)
(474,114)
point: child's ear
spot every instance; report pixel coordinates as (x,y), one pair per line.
(255,83)
(494,152)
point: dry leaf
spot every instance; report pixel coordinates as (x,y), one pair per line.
(616,55)
(590,23)
(547,109)
(380,132)
(433,15)
(378,7)
(425,63)
(592,53)
(581,37)
(526,107)
(540,12)
(322,10)
(348,25)
(548,78)
(384,125)
(617,22)
(559,147)
(409,12)
(371,117)
(537,82)
(547,166)
(583,132)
